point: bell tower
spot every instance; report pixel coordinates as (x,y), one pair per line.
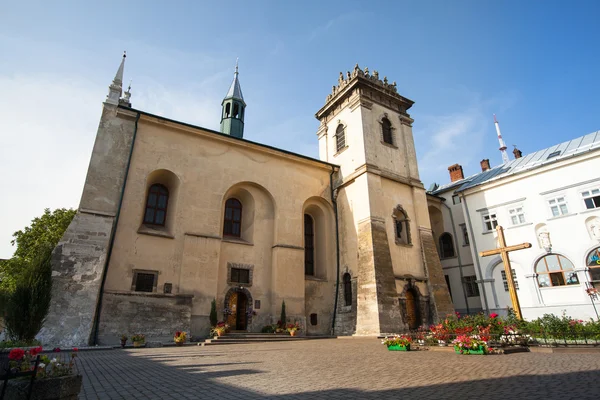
(234,107)
(386,241)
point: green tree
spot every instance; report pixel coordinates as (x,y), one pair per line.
(29,302)
(213,313)
(283,317)
(45,231)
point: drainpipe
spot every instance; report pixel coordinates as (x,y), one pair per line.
(460,266)
(476,255)
(337,250)
(112,238)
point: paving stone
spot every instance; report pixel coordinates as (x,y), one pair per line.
(331,369)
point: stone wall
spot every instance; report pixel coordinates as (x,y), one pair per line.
(157,316)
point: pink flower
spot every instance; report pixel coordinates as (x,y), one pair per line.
(493,315)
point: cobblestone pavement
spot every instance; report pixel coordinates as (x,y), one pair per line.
(333,369)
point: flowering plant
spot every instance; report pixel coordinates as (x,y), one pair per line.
(21,361)
(220,328)
(124,338)
(180,337)
(439,332)
(513,336)
(465,343)
(138,337)
(293,327)
(396,340)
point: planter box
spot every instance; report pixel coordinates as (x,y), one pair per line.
(63,388)
(399,348)
(479,350)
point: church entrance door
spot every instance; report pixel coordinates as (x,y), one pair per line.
(238,305)
(412,309)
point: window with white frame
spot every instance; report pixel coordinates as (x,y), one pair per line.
(558,206)
(591,198)
(516,215)
(490,222)
(505,281)
(471,286)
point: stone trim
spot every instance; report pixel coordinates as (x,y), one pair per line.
(148,294)
(144,230)
(314,278)
(201,235)
(287,246)
(341,151)
(249,267)
(488,208)
(100,213)
(144,271)
(250,303)
(236,241)
(569,186)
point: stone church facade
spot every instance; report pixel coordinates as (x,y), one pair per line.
(173,216)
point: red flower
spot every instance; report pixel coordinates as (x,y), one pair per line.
(35,351)
(56,350)
(493,315)
(75,349)
(16,354)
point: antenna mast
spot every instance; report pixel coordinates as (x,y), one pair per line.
(501,141)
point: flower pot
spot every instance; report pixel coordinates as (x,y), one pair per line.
(421,342)
(292,333)
(139,344)
(220,333)
(397,347)
(465,351)
(63,388)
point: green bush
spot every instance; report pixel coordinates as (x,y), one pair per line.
(10,344)
(267,329)
(213,313)
(28,305)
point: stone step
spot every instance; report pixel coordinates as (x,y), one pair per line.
(243,340)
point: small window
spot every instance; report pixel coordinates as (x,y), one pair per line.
(347,289)
(505,281)
(593,262)
(555,270)
(465,234)
(553,154)
(489,222)
(156,205)
(168,287)
(313,319)
(227,110)
(471,286)
(446,245)
(144,281)
(401,226)
(240,275)
(456,199)
(591,198)
(448,284)
(386,129)
(232,225)
(340,137)
(558,206)
(516,215)
(309,245)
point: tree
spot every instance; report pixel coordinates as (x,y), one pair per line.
(44,231)
(283,317)
(213,313)
(29,302)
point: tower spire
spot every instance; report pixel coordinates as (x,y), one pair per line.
(501,141)
(232,115)
(116,87)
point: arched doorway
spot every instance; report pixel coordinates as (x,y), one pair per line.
(413,316)
(238,303)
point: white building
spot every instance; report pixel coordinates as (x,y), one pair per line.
(551,199)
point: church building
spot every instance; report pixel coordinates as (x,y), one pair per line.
(173,216)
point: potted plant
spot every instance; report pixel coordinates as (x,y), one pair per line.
(123,340)
(56,378)
(139,340)
(293,328)
(465,344)
(397,343)
(220,329)
(180,338)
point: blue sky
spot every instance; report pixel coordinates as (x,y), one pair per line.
(533,63)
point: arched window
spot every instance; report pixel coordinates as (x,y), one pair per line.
(236,110)
(401,226)
(347,289)
(227,110)
(446,245)
(232,225)
(386,130)
(340,137)
(555,270)
(309,245)
(156,205)
(593,262)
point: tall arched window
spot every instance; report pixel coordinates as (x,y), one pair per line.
(232,225)
(340,137)
(593,262)
(401,226)
(156,205)
(309,245)
(236,110)
(227,110)
(555,270)
(386,130)
(347,289)
(446,245)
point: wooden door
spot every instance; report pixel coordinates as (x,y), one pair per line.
(241,317)
(412,311)
(232,318)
